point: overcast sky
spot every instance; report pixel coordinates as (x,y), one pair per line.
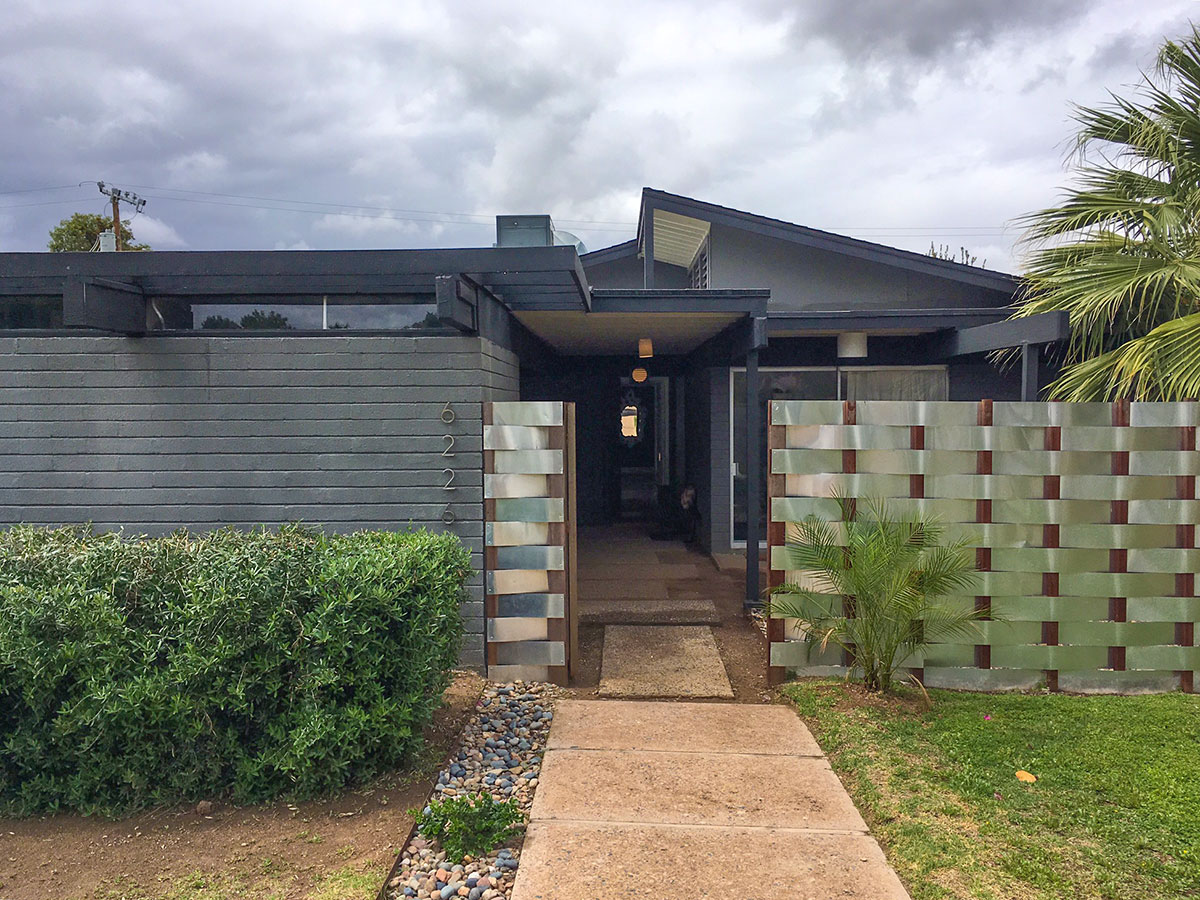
(413,125)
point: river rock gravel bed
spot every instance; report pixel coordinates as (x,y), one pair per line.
(500,751)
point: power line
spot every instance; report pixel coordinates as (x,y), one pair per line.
(39,190)
(389,209)
(416,217)
(460,218)
(44,203)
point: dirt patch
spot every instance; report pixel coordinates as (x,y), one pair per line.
(852,696)
(288,847)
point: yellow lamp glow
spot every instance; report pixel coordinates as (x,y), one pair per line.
(645,348)
(639,374)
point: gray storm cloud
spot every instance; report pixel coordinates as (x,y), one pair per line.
(369,124)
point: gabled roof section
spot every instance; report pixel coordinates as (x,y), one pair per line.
(623,250)
(676,206)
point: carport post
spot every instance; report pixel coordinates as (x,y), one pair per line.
(1030,376)
(754,478)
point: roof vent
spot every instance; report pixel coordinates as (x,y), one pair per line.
(534,231)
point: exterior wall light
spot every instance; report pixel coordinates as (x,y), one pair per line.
(639,374)
(645,348)
(852,345)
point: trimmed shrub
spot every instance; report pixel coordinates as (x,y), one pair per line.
(252,665)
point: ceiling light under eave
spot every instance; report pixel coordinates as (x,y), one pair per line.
(639,375)
(852,345)
(645,348)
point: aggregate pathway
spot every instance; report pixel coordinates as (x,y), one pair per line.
(662,661)
(641,799)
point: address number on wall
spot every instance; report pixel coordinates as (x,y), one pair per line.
(448,417)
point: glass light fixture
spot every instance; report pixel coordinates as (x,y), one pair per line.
(639,374)
(645,348)
(852,345)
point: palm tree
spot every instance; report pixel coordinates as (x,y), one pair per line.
(876,585)
(1121,253)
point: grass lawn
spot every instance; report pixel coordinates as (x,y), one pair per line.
(1115,812)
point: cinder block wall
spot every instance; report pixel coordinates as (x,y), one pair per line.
(158,433)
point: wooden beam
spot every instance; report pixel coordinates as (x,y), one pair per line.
(1045,328)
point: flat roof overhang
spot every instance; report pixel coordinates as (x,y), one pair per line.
(676,321)
(958,332)
(551,277)
(806,323)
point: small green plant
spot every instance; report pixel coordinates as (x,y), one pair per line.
(876,584)
(468,826)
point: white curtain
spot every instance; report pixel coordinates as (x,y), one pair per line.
(895,384)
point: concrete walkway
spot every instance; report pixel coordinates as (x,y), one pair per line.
(625,578)
(693,800)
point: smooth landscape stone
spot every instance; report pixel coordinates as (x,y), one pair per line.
(662,661)
(506,739)
(696,727)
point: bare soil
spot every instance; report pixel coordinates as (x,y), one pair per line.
(283,848)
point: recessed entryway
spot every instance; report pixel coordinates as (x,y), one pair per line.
(627,578)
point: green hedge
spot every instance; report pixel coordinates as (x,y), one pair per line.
(245,664)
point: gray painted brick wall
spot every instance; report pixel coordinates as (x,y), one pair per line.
(158,433)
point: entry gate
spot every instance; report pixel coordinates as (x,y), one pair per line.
(529,540)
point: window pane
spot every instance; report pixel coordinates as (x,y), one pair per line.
(31,312)
(354,312)
(895,384)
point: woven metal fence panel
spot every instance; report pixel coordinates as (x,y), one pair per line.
(1084,517)
(529,536)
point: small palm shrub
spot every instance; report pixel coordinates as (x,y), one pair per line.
(469,826)
(876,584)
(251,665)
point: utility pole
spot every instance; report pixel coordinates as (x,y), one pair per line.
(117,196)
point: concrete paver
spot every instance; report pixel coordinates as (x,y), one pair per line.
(716,801)
(698,727)
(638,571)
(669,611)
(662,661)
(586,861)
(668,787)
(600,589)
